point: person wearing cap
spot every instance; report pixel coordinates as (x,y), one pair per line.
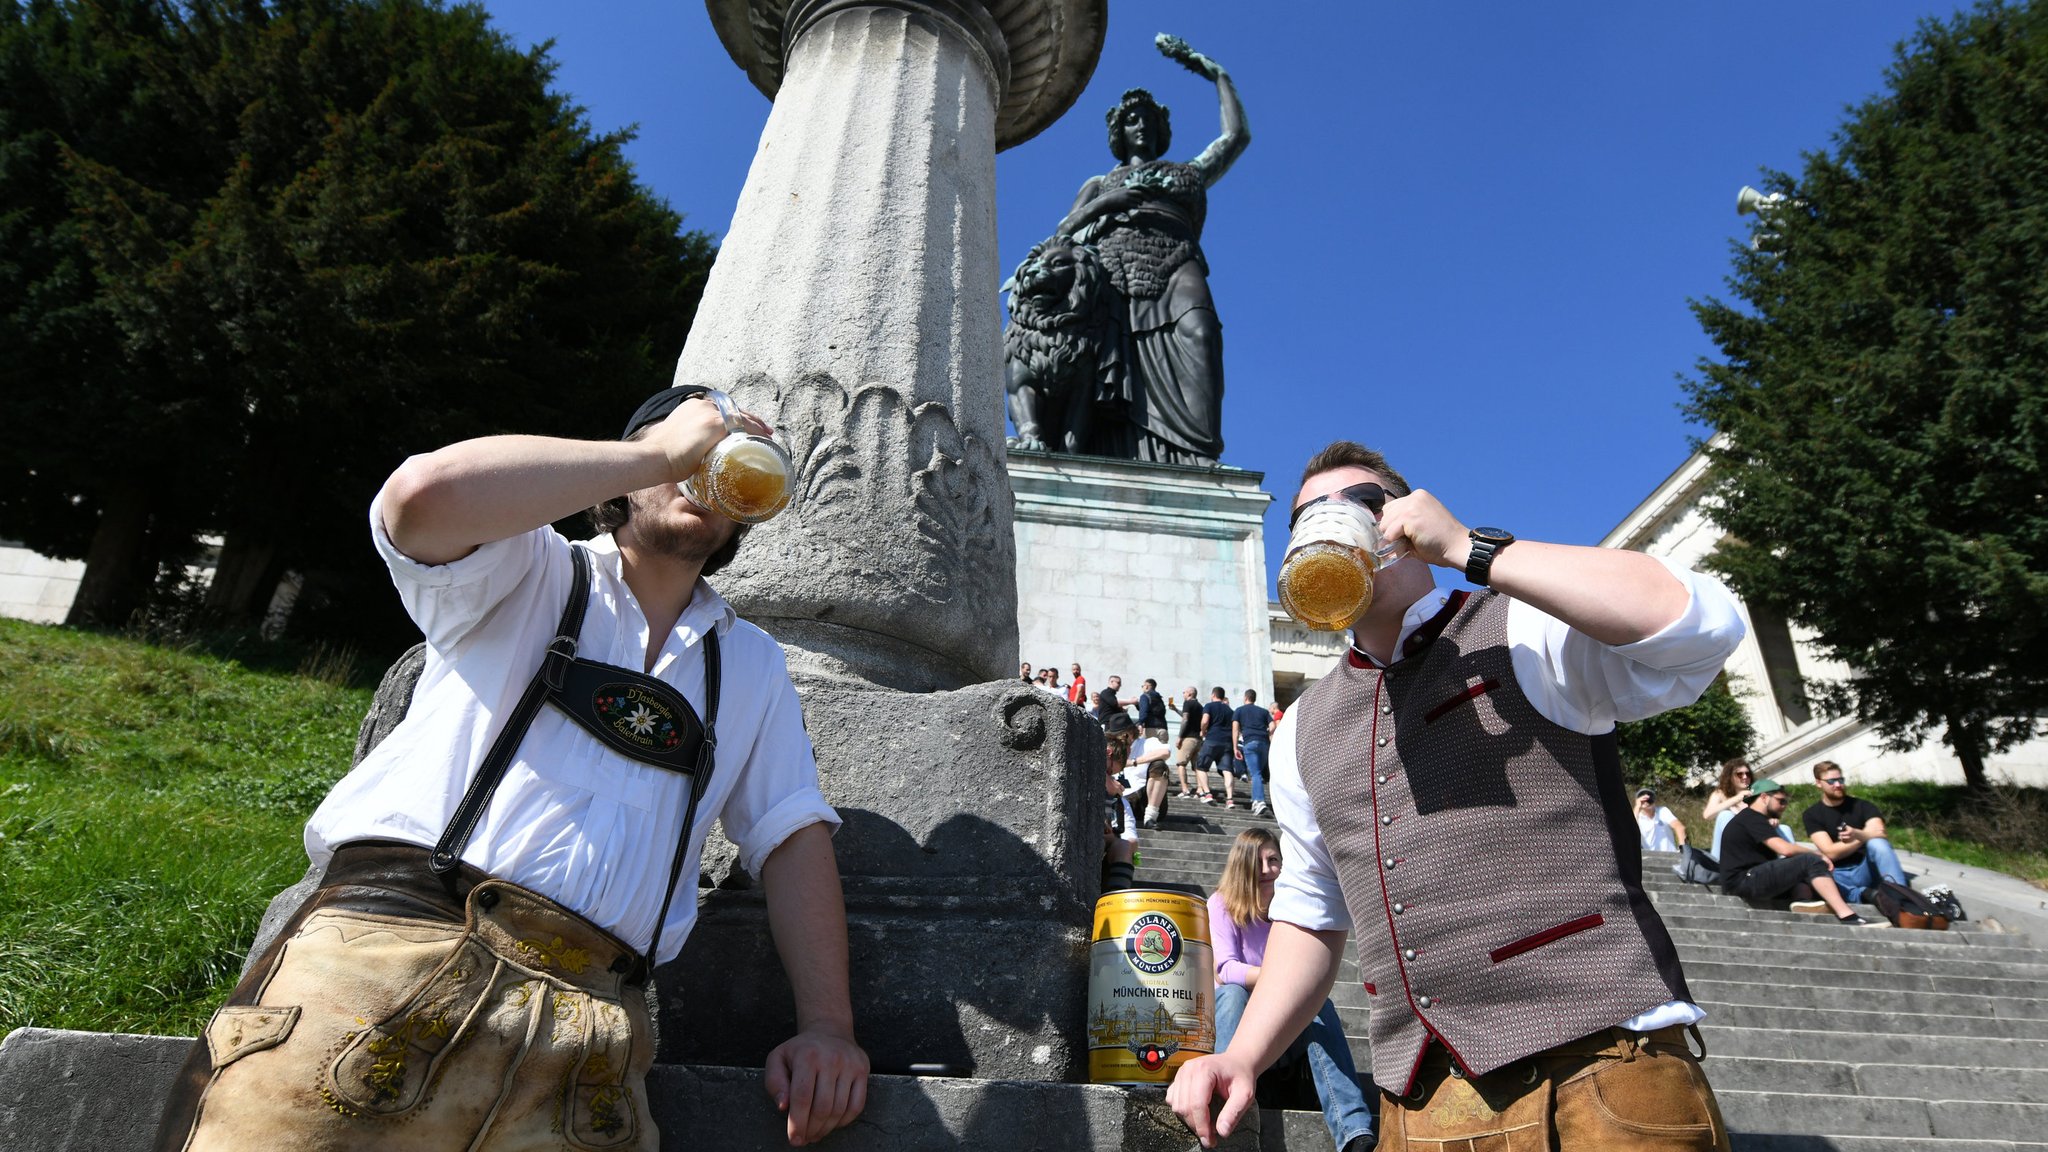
(1517,994)
(472,972)
(1759,864)
(1661,831)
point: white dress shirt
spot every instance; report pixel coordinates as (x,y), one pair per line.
(1573,680)
(572,819)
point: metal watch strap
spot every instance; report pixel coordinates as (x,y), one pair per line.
(562,649)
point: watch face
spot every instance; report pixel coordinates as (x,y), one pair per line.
(1493,535)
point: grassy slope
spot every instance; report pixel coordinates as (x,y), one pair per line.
(151,802)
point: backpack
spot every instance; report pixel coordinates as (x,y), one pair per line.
(1696,867)
(1906,908)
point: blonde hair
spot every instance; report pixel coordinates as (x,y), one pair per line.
(1240,885)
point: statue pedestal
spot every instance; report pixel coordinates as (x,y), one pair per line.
(1143,570)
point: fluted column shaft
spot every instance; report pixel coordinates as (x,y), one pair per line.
(853,303)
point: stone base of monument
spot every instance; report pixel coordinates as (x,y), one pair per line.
(969,857)
(1143,570)
(101,1092)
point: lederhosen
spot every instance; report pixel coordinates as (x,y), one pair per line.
(435,1007)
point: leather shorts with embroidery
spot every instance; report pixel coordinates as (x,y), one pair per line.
(389,1019)
(1614,1092)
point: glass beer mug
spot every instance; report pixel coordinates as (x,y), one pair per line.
(745,477)
(1333,556)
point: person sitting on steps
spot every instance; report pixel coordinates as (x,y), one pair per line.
(1757,864)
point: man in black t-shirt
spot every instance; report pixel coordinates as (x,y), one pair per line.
(1107,702)
(1251,733)
(1216,748)
(1189,741)
(1757,864)
(1850,831)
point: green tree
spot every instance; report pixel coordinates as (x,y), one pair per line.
(338,233)
(1883,390)
(1669,748)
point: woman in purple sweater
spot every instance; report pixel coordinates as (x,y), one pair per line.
(1238,927)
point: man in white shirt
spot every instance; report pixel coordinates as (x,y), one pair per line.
(1661,830)
(1459,738)
(524,955)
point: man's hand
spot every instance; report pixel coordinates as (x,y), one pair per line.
(1201,1080)
(692,430)
(1420,521)
(821,1080)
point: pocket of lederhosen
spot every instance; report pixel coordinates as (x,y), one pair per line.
(1507,1111)
(610,1053)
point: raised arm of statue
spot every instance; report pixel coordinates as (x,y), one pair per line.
(1222,152)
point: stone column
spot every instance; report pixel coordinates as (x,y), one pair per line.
(854,303)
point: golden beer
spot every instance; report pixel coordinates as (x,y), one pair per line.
(1327,585)
(744,478)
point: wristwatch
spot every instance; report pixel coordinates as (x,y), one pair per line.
(1486,543)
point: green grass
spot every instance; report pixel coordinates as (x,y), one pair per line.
(2005,830)
(151,803)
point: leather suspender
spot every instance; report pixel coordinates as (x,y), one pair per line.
(547,684)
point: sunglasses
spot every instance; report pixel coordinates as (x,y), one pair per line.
(1368,495)
(1832,779)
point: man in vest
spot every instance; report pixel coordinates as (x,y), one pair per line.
(472,972)
(1424,787)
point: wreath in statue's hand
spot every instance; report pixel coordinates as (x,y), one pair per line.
(1175,48)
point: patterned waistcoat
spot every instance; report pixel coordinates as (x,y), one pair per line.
(1488,857)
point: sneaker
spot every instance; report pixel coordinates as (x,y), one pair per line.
(1151,817)
(1259,808)
(1206,798)
(1852,920)
(1809,906)
(1364,1142)
(1183,794)
(1230,803)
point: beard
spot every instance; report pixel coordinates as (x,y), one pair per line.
(690,536)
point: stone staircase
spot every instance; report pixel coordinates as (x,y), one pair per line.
(1819,1037)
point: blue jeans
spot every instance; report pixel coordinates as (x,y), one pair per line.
(1329,1061)
(1255,764)
(1879,862)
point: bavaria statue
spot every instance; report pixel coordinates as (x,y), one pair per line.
(1114,348)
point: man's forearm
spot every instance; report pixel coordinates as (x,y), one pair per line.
(441,506)
(1613,595)
(807,915)
(1293,982)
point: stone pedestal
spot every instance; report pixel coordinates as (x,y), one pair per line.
(1143,570)
(969,854)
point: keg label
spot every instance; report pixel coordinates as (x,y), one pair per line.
(1153,943)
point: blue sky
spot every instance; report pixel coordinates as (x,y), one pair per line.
(1463,234)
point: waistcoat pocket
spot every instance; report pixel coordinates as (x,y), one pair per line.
(1547,936)
(1471,693)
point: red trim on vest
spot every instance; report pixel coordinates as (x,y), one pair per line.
(1369,989)
(1424,635)
(1466,697)
(1547,936)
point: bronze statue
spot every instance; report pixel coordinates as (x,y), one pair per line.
(1156,392)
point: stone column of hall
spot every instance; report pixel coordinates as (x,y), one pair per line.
(854,304)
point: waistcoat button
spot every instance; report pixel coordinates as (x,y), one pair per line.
(1383,741)
(1386,819)
(1400,908)
(1386,709)
(1422,1001)
(1389,861)
(1383,779)
(1408,954)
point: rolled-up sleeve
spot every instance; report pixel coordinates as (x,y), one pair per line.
(1581,684)
(776,792)
(447,600)
(1307,894)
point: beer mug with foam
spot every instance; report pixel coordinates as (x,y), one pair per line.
(745,477)
(1333,556)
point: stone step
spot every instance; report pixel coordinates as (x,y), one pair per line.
(1781,1142)
(1787,1112)
(1712,947)
(1909,1081)
(1747,1015)
(1832,938)
(1775,1040)
(1871,983)
(1852,999)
